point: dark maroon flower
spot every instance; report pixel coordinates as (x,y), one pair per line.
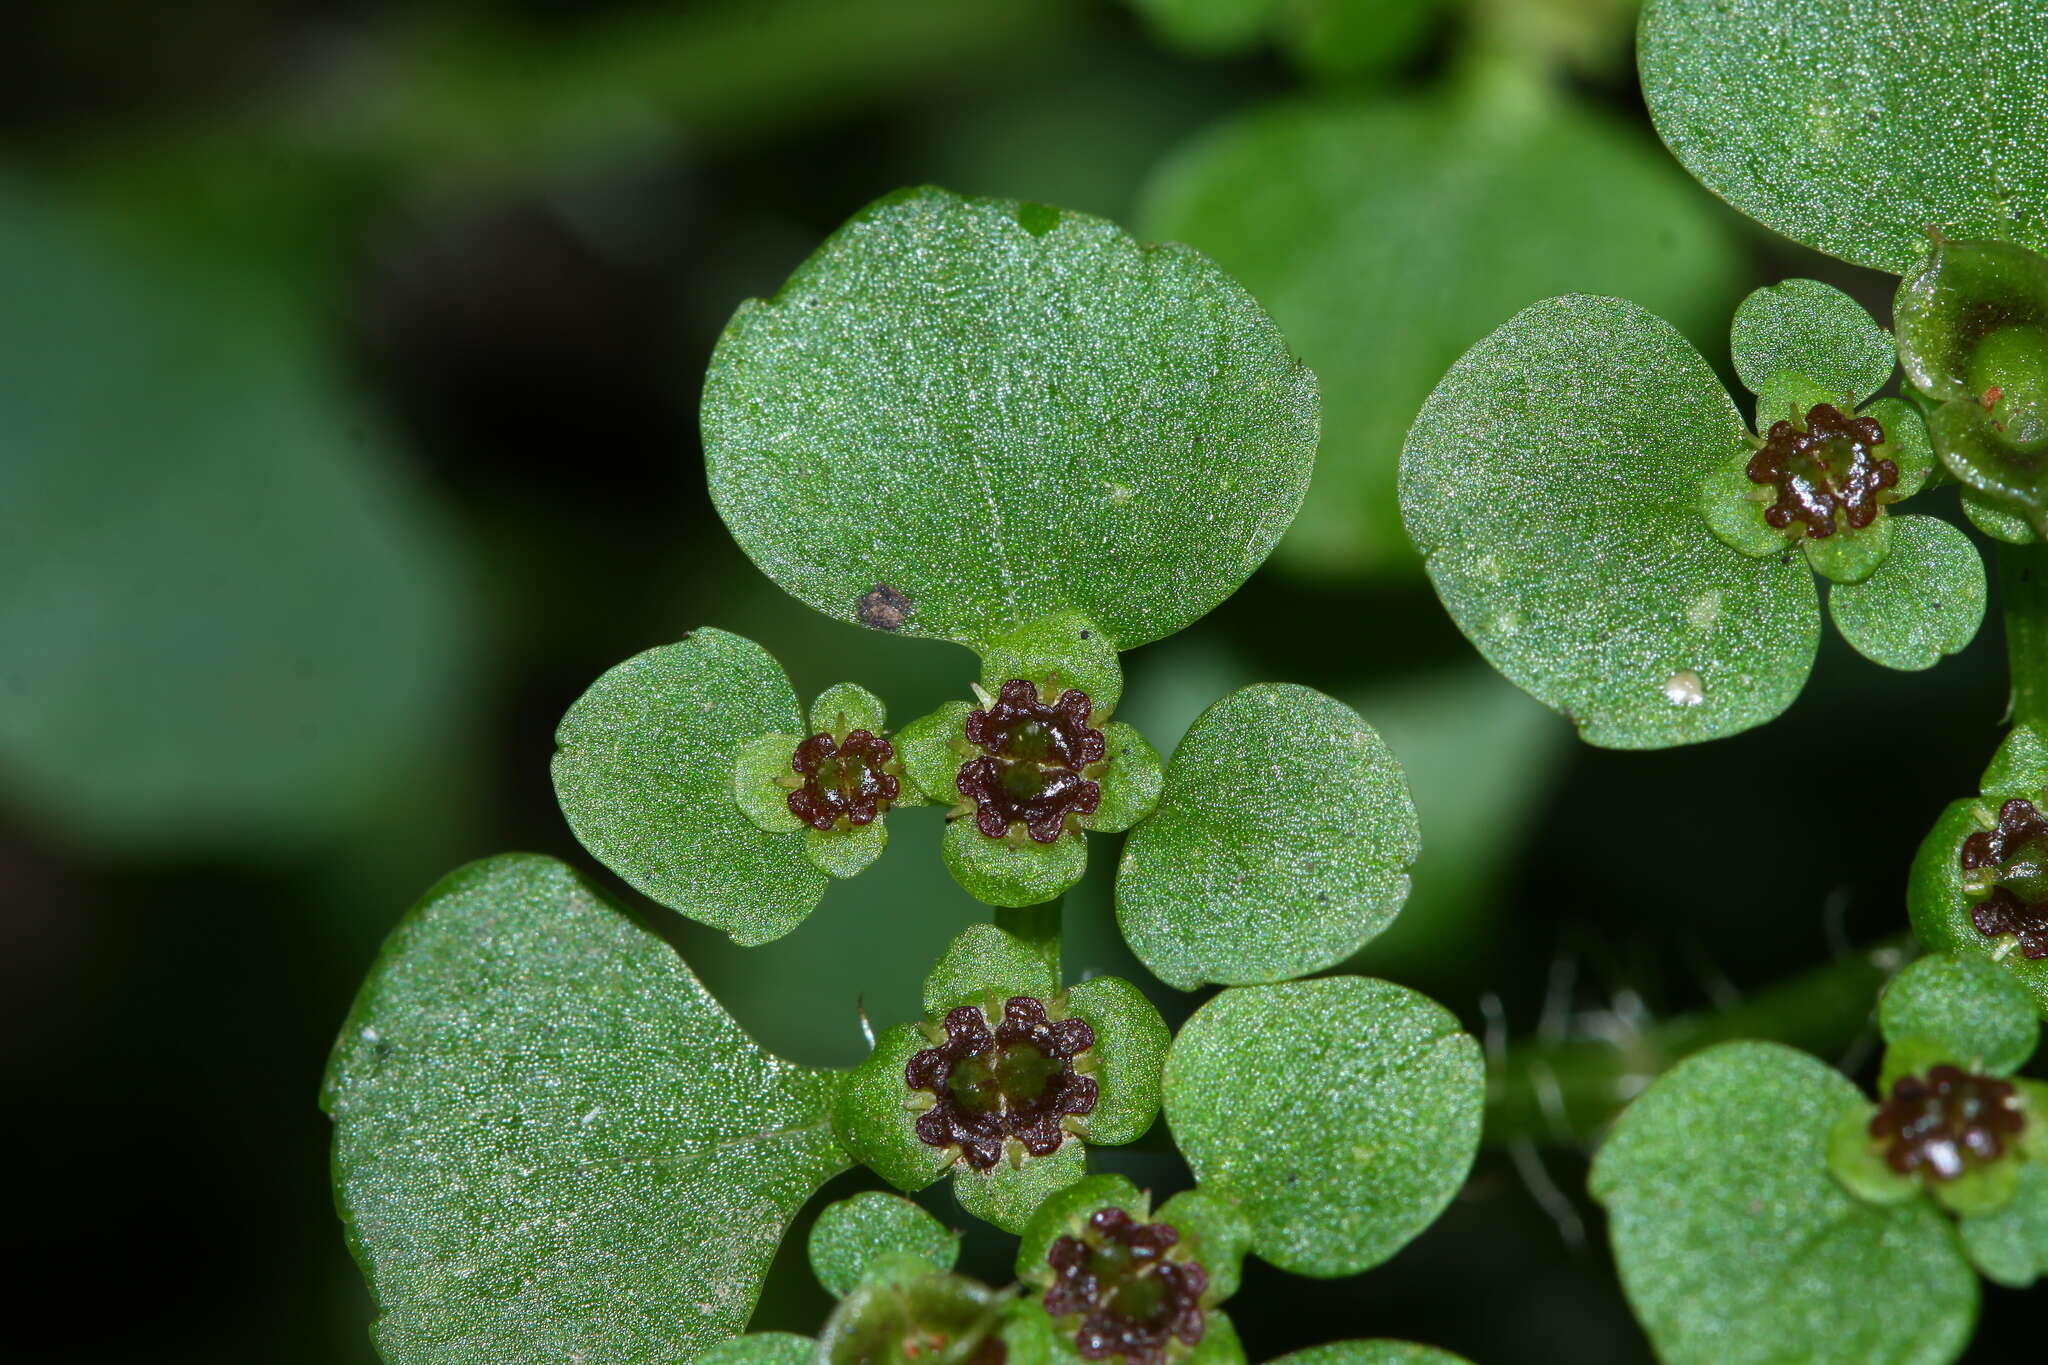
(1944,1121)
(843,779)
(1016,1080)
(1032,769)
(1827,468)
(1123,1291)
(2011,861)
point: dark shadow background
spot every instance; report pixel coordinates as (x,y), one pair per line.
(511,233)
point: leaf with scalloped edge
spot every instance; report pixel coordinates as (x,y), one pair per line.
(644,769)
(1855,125)
(1279,847)
(1737,1245)
(1551,483)
(962,415)
(1811,329)
(550,1142)
(1341,1113)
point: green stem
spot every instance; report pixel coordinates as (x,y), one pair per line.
(1037,925)
(2023,585)
(1565,1092)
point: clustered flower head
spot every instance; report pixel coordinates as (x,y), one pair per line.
(1034,762)
(844,779)
(1825,471)
(1946,1121)
(1015,1081)
(1124,1291)
(2008,861)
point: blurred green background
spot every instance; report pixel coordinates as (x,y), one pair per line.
(349,354)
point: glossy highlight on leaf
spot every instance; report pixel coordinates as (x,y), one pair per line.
(1552,480)
(550,1142)
(1845,124)
(1279,847)
(899,437)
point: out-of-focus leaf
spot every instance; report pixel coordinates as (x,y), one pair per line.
(902,439)
(1737,1245)
(644,771)
(1854,125)
(1280,845)
(1342,1113)
(550,1142)
(1551,482)
(1925,601)
(1387,237)
(229,617)
(1336,38)
(1370,1353)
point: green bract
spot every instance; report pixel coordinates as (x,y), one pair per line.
(851,1236)
(1966,1009)
(963,415)
(1973,335)
(1736,1243)
(1387,236)
(1280,846)
(1005,1079)
(1578,435)
(645,772)
(1925,601)
(1370,1353)
(1844,124)
(1996,910)
(2010,1245)
(762,1348)
(1341,1113)
(550,1141)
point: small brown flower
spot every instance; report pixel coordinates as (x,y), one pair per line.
(2010,862)
(1946,1121)
(1123,1291)
(1033,765)
(1826,468)
(843,779)
(1015,1081)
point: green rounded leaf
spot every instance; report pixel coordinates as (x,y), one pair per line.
(1129,1053)
(1814,329)
(850,1235)
(757,781)
(982,961)
(762,1348)
(1926,599)
(1130,785)
(1386,236)
(1826,119)
(645,768)
(873,1119)
(1995,520)
(1012,871)
(1736,1243)
(1342,1114)
(1975,1014)
(962,415)
(1280,844)
(1007,1195)
(1059,652)
(2010,1246)
(538,1108)
(1850,555)
(846,852)
(1370,1353)
(931,749)
(1552,482)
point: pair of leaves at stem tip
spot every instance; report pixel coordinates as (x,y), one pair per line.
(1587,432)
